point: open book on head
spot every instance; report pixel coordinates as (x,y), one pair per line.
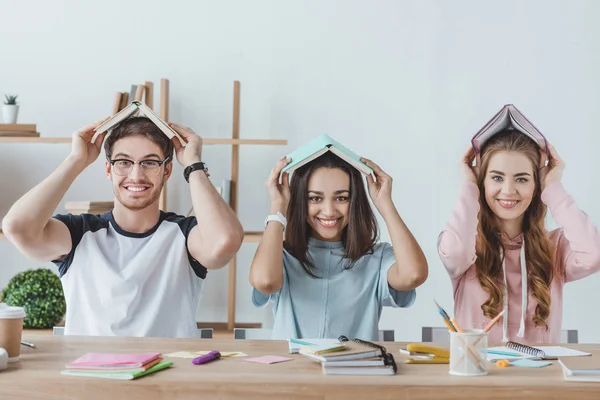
(319,146)
(509,117)
(133,109)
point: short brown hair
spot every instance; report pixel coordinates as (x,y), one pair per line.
(140,126)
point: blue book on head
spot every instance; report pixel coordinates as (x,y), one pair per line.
(320,146)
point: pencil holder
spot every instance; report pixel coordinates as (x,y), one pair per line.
(468,353)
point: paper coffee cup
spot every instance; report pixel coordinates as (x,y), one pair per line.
(11,329)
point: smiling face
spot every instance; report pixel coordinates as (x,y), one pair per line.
(509,184)
(328,203)
(142,186)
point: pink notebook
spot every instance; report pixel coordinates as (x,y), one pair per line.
(113,360)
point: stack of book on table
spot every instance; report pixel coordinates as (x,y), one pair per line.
(116,365)
(356,357)
(580,369)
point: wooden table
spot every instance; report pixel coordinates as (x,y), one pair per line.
(37,375)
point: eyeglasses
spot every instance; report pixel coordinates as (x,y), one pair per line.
(124,167)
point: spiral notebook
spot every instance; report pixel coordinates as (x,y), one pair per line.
(353,350)
(515,351)
(360,358)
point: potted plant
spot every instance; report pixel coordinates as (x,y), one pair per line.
(40,293)
(10,109)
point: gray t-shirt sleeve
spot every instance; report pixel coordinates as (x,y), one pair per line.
(388,296)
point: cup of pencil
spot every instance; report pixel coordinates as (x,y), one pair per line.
(468,352)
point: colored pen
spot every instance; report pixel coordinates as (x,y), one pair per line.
(503,353)
(301,342)
(493,321)
(28,344)
(455,324)
(213,355)
(445,317)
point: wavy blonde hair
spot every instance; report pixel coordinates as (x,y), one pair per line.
(538,248)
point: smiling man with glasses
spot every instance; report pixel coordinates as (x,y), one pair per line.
(137,270)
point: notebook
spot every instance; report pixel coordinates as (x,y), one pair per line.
(319,146)
(123,375)
(367,362)
(296,344)
(379,370)
(381,365)
(589,366)
(143,368)
(112,360)
(324,348)
(537,352)
(509,117)
(353,351)
(132,109)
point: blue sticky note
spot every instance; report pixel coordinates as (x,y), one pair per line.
(527,363)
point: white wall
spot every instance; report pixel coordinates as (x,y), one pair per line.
(404,82)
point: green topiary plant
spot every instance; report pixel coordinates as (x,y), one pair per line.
(10,100)
(40,293)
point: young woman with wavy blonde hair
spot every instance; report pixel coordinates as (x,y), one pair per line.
(497,250)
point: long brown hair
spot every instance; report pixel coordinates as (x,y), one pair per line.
(538,249)
(359,236)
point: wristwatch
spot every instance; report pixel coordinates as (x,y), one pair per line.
(279,217)
(194,167)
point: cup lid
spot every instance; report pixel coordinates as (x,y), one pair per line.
(7,311)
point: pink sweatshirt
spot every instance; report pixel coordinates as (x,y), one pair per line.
(577,249)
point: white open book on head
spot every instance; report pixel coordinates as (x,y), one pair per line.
(136,108)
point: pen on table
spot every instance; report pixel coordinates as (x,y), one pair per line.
(28,344)
(503,353)
(301,342)
(213,355)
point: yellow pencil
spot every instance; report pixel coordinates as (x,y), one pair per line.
(458,328)
(450,327)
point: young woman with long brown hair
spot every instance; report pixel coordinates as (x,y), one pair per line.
(327,275)
(497,250)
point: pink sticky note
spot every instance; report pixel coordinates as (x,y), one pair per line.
(268,359)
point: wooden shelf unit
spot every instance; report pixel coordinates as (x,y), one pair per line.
(234,142)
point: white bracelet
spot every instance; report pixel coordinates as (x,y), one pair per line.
(279,217)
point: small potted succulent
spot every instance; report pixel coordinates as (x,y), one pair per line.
(10,109)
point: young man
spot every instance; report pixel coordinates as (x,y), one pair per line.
(135,271)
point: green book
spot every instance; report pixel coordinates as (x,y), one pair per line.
(319,146)
(125,375)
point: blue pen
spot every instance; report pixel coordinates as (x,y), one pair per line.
(446,317)
(301,342)
(503,353)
